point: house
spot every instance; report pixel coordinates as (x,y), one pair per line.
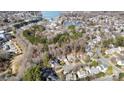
(113,50)
(55,63)
(9,47)
(87,68)
(66,61)
(103,60)
(120,62)
(106,30)
(94,70)
(97,39)
(2,32)
(71,57)
(90,54)
(71,76)
(68,68)
(2,35)
(82,74)
(104,64)
(102,68)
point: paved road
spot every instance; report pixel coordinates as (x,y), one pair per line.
(25,58)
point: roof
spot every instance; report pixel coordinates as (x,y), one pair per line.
(94,70)
(112,50)
(103,60)
(121,62)
(2,35)
(2,31)
(71,76)
(8,46)
(68,68)
(82,74)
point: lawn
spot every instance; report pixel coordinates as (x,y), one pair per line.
(100,74)
(121,76)
(110,70)
(94,63)
(30,35)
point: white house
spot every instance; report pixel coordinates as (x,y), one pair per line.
(113,50)
(9,47)
(94,70)
(102,68)
(82,74)
(90,54)
(120,62)
(71,76)
(2,34)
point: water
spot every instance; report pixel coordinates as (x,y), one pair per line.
(50,15)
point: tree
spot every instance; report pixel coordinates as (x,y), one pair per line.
(106,43)
(121,76)
(94,63)
(72,27)
(100,74)
(33,74)
(120,41)
(46,59)
(61,38)
(110,70)
(86,58)
(5,56)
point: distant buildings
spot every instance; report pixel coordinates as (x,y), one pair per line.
(120,62)
(113,50)
(2,37)
(7,44)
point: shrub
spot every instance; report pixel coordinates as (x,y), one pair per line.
(71,27)
(94,63)
(110,70)
(100,74)
(121,76)
(32,74)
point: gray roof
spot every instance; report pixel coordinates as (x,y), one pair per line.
(1,32)
(2,36)
(68,68)
(104,61)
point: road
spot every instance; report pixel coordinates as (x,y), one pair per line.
(25,58)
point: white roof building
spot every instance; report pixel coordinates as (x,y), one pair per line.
(113,50)
(94,70)
(9,47)
(120,62)
(71,76)
(102,68)
(82,74)
(2,34)
(90,54)
(2,31)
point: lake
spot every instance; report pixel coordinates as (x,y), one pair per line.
(50,15)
